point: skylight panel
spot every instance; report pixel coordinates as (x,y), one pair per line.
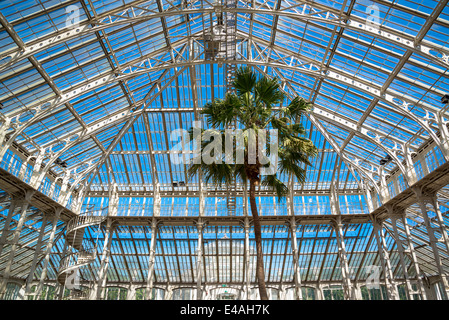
(312,173)
(424,77)
(119,169)
(303,87)
(407,89)
(102,6)
(57,50)
(349,106)
(335,130)
(7,43)
(180,32)
(133,169)
(16,10)
(136,50)
(366,150)
(178,175)
(315,136)
(49,132)
(36,96)
(105,110)
(79,75)
(141,85)
(122,38)
(243,22)
(87,155)
(19,83)
(263,18)
(434,98)
(157,130)
(72,60)
(106,94)
(343,175)
(369,159)
(109,132)
(261,30)
(409,126)
(402,21)
(163,171)
(386,127)
(47,23)
(140,134)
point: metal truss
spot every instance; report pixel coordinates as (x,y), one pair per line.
(297,10)
(134,69)
(400,102)
(351,223)
(258,59)
(165,65)
(154,64)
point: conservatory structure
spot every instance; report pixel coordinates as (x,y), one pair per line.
(92,205)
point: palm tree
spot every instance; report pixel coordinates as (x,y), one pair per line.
(253,106)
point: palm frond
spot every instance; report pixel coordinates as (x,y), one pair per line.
(267,91)
(245,79)
(220,112)
(297,107)
(276,185)
(286,166)
(252,106)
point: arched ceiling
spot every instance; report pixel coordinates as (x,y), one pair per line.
(104,95)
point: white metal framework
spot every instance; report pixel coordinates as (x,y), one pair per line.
(93,207)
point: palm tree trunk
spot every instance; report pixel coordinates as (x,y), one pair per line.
(258,235)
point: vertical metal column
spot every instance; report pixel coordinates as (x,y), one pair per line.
(37,252)
(384,192)
(368,197)
(131,295)
(154,230)
(168,292)
(410,167)
(347,286)
(15,241)
(48,251)
(440,221)
(5,231)
(52,189)
(23,169)
(64,194)
(319,292)
(357,292)
(338,228)
(392,290)
(61,287)
(113,200)
(423,201)
(442,125)
(396,215)
(411,251)
(199,259)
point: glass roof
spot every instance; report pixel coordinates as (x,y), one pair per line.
(101,84)
(138,61)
